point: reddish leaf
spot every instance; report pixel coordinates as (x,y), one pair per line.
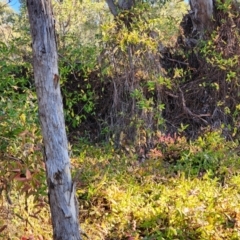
(3,227)
(12,176)
(37,212)
(24,238)
(17,170)
(19,178)
(24,133)
(42,204)
(28,174)
(131,238)
(26,187)
(33,216)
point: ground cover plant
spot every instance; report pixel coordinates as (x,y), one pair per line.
(158,199)
(120,198)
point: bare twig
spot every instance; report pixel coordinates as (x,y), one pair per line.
(174,60)
(14,158)
(189,112)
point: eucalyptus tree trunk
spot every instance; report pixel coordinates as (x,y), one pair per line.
(63,204)
(115,8)
(201,15)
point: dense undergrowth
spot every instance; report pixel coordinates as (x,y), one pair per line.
(194,197)
(184,190)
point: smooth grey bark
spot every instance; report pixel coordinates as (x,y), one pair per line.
(112,7)
(120,5)
(201,15)
(63,204)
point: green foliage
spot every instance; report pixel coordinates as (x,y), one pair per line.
(78,93)
(78,31)
(22,171)
(7,20)
(210,153)
(120,199)
(217,58)
(111,77)
(221,52)
(225,6)
(134,41)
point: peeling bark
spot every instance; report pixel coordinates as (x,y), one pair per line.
(63,204)
(121,5)
(126,4)
(201,15)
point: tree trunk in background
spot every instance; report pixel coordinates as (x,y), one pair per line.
(121,5)
(201,15)
(63,204)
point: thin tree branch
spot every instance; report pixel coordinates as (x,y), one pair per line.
(189,112)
